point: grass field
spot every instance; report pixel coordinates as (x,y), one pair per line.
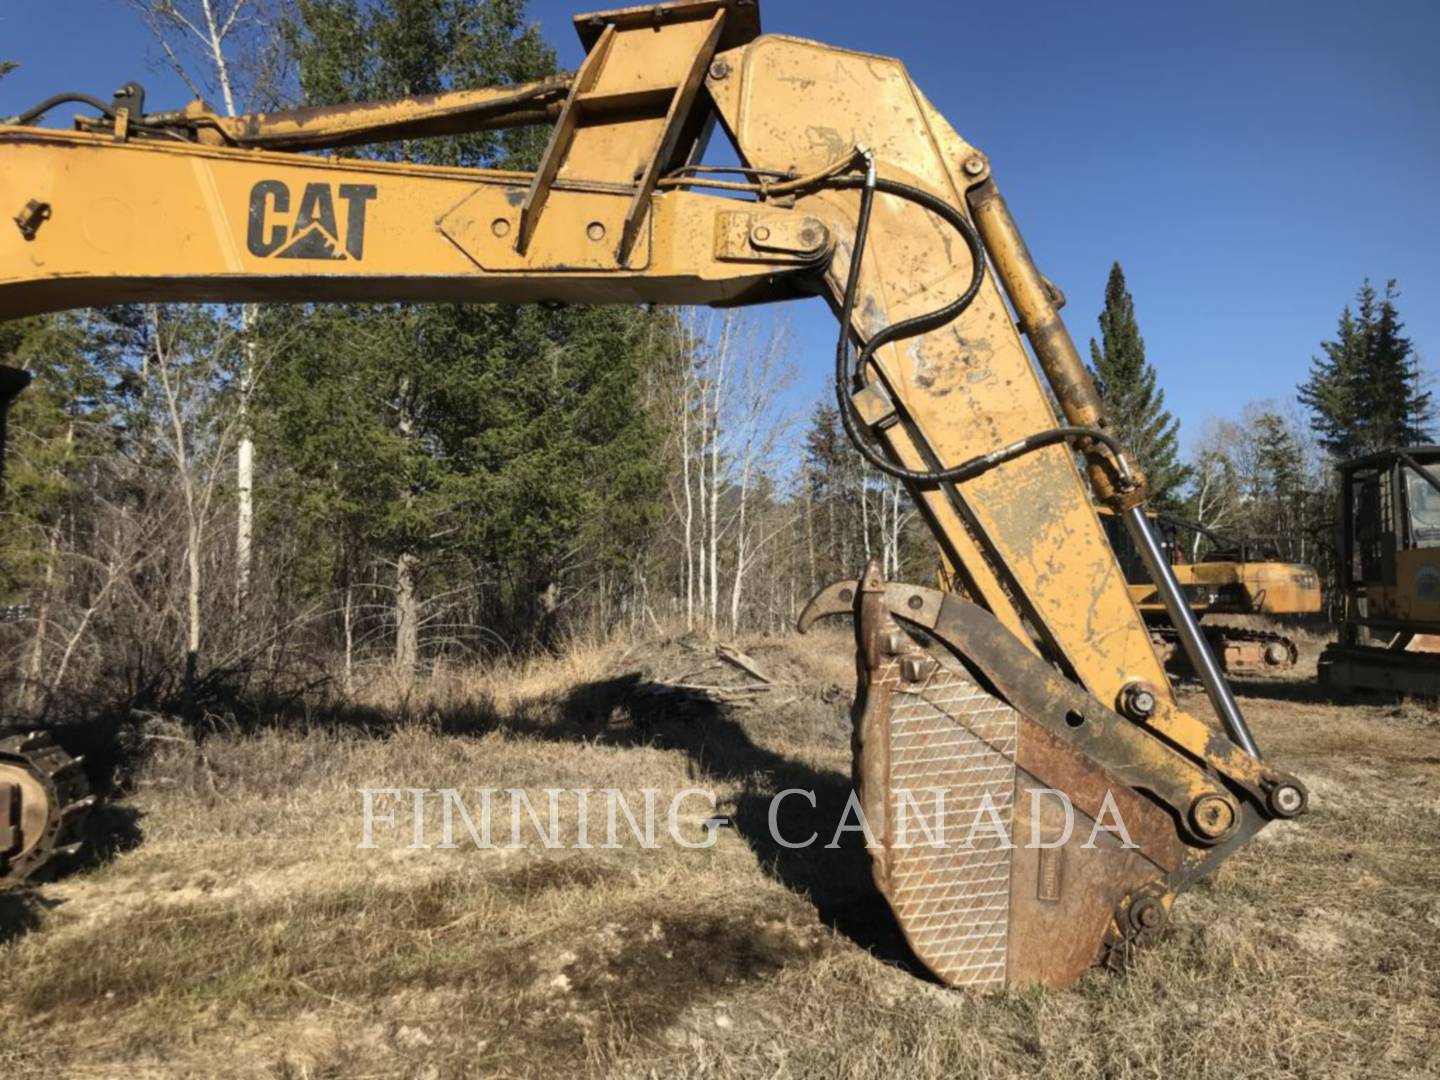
(232,926)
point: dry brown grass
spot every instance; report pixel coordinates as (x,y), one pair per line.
(247,936)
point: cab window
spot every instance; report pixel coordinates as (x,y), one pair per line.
(1424,503)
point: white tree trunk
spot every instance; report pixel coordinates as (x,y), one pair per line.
(407,591)
(689,517)
(741,543)
(718,390)
(865,513)
(702,488)
(245,471)
(211,28)
(349,616)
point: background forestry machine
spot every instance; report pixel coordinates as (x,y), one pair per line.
(1235,576)
(1389,575)
(854,188)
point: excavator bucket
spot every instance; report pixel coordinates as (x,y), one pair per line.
(1018,828)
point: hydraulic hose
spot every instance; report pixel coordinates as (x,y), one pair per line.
(846,369)
(30,115)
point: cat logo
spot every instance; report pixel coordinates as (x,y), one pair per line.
(314,232)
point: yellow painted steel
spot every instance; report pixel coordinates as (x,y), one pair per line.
(970,387)
(1268,588)
(140,221)
(367,123)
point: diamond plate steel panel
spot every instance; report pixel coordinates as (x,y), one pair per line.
(952,768)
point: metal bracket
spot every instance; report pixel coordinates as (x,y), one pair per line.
(772,237)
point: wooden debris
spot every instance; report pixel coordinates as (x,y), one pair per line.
(732,655)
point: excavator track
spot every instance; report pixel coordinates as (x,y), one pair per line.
(1413,671)
(1240,650)
(44,800)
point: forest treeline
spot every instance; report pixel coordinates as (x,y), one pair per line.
(309,494)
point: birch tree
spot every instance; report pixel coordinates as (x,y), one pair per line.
(233,49)
(185,354)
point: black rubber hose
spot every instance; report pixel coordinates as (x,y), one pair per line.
(29,116)
(846,370)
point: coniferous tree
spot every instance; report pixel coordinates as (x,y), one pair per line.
(1278,482)
(1129,385)
(481,442)
(1364,393)
(1402,408)
(1330,393)
(830,482)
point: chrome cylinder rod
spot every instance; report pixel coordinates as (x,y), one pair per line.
(1192,639)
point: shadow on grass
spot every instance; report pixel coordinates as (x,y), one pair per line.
(1302,692)
(20,912)
(629,711)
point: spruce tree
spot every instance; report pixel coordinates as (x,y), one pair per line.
(1364,392)
(507,444)
(1401,413)
(830,467)
(1279,482)
(1129,385)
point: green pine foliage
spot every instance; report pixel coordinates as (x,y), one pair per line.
(506,446)
(60,430)
(1278,495)
(1129,386)
(1365,391)
(348,50)
(832,471)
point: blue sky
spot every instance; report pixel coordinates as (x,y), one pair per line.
(1249,163)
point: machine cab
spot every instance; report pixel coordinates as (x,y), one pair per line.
(1390,539)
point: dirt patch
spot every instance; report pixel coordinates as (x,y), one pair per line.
(645,972)
(657,968)
(545,875)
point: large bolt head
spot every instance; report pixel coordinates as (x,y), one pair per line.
(1139,700)
(1287,800)
(1151,916)
(1214,817)
(1147,913)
